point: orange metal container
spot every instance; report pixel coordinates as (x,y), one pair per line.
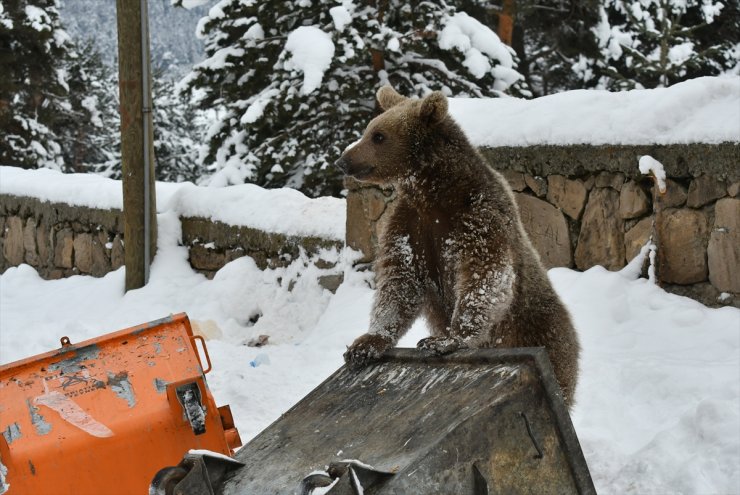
(103,416)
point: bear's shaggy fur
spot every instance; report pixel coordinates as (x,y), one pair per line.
(453,248)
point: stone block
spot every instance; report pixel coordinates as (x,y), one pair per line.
(202,258)
(83,258)
(608,179)
(538,185)
(589,182)
(723,252)
(568,195)
(117,256)
(636,237)
(374,202)
(705,189)
(733,190)
(515,180)
(29,243)
(63,248)
(43,242)
(100,259)
(232,254)
(13,250)
(633,202)
(601,239)
(682,241)
(547,229)
(331,282)
(360,232)
(675,195)
(704,292)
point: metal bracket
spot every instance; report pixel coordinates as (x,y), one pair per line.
(345,478)
(197,474)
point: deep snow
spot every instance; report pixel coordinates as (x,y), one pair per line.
(702,110)
(658,404)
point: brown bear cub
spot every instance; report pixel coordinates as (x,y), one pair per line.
(453,248)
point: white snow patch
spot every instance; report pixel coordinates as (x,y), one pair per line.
(245,205)
(341,17)
(210,453)
(191,4)
(38,18)
(90,103)
(255,32)
(480,45)
(649,165)
(702,110)
(311,52)
(257,107)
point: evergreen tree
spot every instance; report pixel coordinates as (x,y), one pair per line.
(652,43)
(33,82)
(552,36)
(294,82)
(178,128)
(549,36)
(89,131)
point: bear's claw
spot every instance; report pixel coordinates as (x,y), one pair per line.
(366,349)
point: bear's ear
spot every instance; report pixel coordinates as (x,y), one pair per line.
(388,97)
(434,107)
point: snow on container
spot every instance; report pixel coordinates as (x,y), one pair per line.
(475,422)
(102,416)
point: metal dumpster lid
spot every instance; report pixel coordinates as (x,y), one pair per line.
(477,418)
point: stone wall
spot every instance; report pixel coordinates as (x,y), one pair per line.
(60,240)
(589,205)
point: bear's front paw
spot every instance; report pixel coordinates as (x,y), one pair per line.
(440,345)
(366,349)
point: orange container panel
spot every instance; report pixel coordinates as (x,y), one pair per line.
(103,416)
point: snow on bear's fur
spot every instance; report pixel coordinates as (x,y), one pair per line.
(452,248)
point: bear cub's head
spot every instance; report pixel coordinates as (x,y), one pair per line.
(387,149)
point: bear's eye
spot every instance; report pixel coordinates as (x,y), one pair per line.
(378,138)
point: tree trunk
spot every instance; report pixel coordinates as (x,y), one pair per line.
(506,21)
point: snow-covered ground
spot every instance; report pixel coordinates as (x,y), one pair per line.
(658,404)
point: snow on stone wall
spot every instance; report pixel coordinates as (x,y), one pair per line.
(702,110)
(72,224)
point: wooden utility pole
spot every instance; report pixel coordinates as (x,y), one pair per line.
(137,141)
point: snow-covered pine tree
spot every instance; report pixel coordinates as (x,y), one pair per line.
(293,82)
(178,128)
(554,34)
(652,43)
(549,36)
(33,82)
(89,132)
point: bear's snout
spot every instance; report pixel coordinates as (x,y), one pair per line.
(342,164)
(354,169)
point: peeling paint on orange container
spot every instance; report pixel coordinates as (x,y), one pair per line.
(103,416)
